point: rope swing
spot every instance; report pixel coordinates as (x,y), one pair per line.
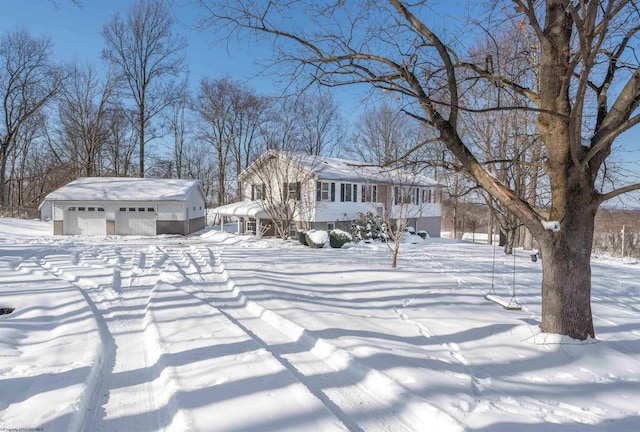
(512,304)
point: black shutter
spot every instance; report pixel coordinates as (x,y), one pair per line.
(253,192)
(341,192)
(318,191)
(355,193)
(333,191)
(298,193)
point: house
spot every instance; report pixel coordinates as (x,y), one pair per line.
(126,206)
(315,192)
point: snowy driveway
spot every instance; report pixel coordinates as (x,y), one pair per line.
(215,332)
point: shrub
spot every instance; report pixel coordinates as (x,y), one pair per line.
(302,237)
(337,238)
(316,239)
(423,234)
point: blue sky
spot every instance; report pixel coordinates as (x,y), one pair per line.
(75,32)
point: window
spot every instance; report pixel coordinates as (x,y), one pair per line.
(151,209)
(123,209)
(100,209)
(369,193)
(330,226)
(132,209)
(322,191)
(403,194)
(141,209)
(81,209)
(293,191)
(292,230)
(71,209)
(251,227)
(257,192)
(91,209)
(345,192)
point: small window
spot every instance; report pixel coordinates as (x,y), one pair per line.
(100,209)
(151,209)
(71,209)
(194,208)
(330,226)
(141,209)
(324,192)
(124,209)
(132,209)
(200,207)
(91,209)
(81,209)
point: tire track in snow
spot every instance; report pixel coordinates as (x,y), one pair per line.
(90,408)
(345,386)
(130,376)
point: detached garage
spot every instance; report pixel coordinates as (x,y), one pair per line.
(126,206)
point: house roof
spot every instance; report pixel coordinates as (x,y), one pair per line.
(251,209)
(124,189)
(327,168)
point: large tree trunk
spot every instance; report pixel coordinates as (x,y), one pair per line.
(566,277)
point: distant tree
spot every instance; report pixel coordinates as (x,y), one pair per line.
(321,131)
(233,118)
(83,110)
(28,81)
(176,121)
(149,59)
(384,136)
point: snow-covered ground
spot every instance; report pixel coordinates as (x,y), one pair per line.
(217,332)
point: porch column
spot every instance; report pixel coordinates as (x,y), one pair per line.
(238,231)
(221,223)
(258,229)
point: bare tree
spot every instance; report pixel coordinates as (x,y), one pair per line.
(83,111)
(587,96)
(121,143)
(384,135)
(177,122)
(320,124)
(28,81)
(146,53)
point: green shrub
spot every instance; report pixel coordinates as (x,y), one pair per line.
(337,238)
(423,234)
(316,239)
(302,238)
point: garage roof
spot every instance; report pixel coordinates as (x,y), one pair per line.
(124,189)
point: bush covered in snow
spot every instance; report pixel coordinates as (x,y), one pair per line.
(316,239)
(338,238)
(423,234)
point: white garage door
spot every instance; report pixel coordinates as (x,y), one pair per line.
(136,221)
(85,221)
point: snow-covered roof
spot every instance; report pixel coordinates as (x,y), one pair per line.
(327,168)
(251,209)
(124,189)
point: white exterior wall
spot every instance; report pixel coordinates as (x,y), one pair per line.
(195,206)
(327,211)
(172,210)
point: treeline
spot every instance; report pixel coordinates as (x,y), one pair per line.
(136,115)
